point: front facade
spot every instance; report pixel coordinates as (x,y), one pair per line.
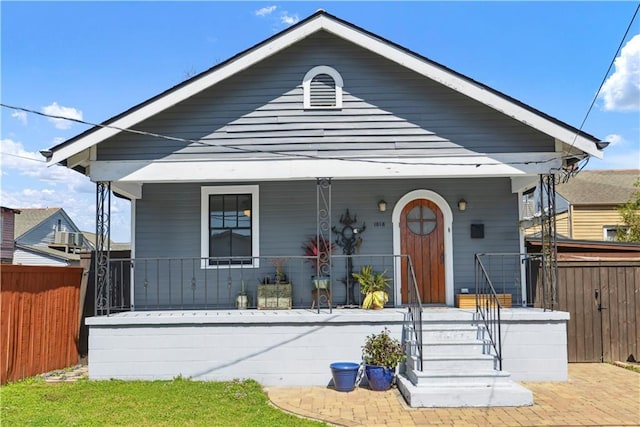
(323,130)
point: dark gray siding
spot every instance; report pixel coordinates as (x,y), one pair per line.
(168,225)
(387,110)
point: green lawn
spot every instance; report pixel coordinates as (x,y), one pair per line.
(180,402)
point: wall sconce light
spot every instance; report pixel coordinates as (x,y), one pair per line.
(462,205)
(382,206)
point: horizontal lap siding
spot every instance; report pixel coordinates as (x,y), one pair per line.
(385,107)
(588,221)
(168,225)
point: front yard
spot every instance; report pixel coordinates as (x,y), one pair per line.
(178,402)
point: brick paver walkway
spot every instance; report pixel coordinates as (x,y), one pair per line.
(595,395)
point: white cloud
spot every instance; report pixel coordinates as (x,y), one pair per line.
(287,19)
(56,186)
(266,10)
(614,139)
(58,110)
(20,115)
(31,164)
(621,91)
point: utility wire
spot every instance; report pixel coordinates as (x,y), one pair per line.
(279,153)
(604,78)
(23,157)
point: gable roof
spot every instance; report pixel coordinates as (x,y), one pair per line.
(600,187)
(28,219)
(322,21)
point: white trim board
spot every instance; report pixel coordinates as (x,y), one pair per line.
(254,170)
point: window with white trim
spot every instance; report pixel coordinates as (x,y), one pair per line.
(322,88)
(610,232)
(229,226)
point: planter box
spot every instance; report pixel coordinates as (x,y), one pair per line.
(469,300)
(277,296)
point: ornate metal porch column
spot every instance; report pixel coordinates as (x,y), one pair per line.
(103,247)
(549,240)
(323,231)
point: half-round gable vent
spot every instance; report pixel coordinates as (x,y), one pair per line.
(323,91)
(322,87)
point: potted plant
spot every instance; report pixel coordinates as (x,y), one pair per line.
(279,264)
(242,299)
(319,248)
(381,355)
(373,286)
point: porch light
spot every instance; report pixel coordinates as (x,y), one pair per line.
(382,206)
(462,205)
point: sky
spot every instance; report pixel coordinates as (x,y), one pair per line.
(93,60)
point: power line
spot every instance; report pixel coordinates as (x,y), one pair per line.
(279,153)
(604,78)
(23,157)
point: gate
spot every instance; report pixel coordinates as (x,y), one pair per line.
(603,298)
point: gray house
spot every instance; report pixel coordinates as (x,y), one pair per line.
(327,130)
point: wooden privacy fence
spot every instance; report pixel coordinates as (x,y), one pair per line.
(39,318)
(603,298)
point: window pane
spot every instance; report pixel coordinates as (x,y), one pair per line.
(215,211)
(428,213)
(428,226)
(230,211)
(241,243)
(414,213)
(220,245)
(414,227)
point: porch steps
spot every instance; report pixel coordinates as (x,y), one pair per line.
(459,369)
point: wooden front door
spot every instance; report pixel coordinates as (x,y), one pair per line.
(422,238)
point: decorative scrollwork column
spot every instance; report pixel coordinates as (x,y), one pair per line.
(549,240)
(103,247)
(323,230)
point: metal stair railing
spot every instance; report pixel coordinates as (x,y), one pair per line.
(415,308)
(488,308)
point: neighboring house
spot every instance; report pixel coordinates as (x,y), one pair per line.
(587,206)
(7,226)
(90,239)
(47,237)
(278,142)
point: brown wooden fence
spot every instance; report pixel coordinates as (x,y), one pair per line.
(603,298)
(39,317)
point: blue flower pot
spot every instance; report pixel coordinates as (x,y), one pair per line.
(344,375)
(379,377)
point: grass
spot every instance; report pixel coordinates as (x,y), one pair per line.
(180,402)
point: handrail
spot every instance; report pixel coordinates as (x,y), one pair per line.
(415,310)
(488,307)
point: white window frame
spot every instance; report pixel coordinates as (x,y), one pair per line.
(207,191)
(306,87)
(606,228)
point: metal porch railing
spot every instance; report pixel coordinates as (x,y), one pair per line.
(214,283)
(519,275)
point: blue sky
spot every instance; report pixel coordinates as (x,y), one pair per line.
(93,60)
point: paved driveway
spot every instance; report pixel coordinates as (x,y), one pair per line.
(595,395)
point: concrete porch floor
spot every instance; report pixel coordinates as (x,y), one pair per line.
(595,395)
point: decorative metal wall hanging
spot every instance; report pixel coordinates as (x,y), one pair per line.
(349,239)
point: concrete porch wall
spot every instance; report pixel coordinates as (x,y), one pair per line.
(284,347)
(534,344)
(293,347)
